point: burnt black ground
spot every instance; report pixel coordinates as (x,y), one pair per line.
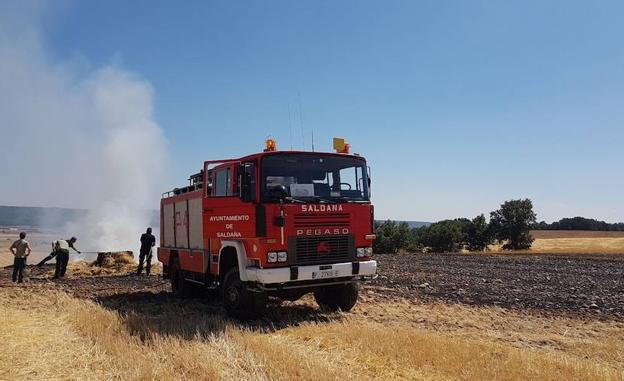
(589,285)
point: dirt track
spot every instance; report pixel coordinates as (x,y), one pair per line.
(589,286)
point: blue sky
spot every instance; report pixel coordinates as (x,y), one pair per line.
(457,105)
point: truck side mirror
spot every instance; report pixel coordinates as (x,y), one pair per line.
(368,179)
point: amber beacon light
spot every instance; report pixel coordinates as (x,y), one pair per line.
(341,146)
(270,145)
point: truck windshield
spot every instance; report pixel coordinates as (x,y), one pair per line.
(314,178)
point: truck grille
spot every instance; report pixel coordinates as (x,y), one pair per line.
(322,250)
(334,220)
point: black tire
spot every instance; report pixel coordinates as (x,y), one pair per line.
(292,295)
(333,298)
(179,287)
(239,302)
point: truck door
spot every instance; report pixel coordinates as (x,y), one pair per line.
(227,216)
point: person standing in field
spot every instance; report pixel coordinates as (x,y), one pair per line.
(21,250)
(145,253)
(60,250)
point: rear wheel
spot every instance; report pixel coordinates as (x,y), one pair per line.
(178,284)
(333,298)
(238,301)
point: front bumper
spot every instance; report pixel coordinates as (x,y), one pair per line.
(303,273)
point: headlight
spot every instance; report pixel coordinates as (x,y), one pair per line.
(271,257)
(363,252)
(282,256)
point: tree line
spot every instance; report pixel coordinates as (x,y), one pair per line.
(509,225)
(579,223)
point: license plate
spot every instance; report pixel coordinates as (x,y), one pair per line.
(324,274)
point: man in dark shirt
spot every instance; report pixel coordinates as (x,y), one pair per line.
(147,242)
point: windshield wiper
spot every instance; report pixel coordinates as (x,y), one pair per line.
(295,200)
(350,199)
(302,201)
(325,199)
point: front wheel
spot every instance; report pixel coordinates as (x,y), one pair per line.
(238,301)
(333,298)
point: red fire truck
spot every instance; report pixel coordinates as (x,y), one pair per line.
(275,223)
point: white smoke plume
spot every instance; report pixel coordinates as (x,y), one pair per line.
(76,136)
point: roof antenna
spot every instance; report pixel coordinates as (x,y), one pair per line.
(290,127)
(312,139)
(301,124)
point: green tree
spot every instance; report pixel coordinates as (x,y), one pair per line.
(464,226)
(401,237)
(391,237)
(478,234)
(416,241)
(512,222)
(385,232)
(444,236)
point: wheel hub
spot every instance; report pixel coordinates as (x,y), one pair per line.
(233,295)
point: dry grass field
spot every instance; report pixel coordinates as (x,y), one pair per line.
(583,234)
(578,242)
(575,242)
(101,324)
(46,334)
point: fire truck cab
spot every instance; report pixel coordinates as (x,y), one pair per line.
(275,223)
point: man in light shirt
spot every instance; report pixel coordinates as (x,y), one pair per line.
(20,250)
(60,250)
(70,242)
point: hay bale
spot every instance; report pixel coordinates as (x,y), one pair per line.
(123,257)
(113,258)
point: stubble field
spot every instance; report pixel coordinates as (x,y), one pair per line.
(427,317)
(577,242)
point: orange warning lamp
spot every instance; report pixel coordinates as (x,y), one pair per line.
(341,146)
(270,145)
